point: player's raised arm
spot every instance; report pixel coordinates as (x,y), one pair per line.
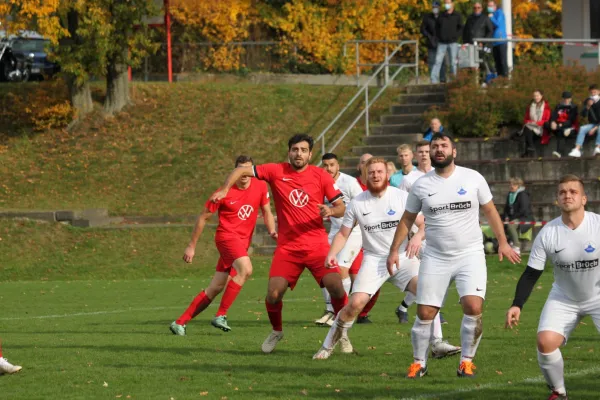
(190,250)
(495,222)
(407,220)
(236,174)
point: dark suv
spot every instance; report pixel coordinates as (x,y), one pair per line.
(25,57)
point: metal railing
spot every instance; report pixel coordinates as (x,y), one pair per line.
(365,88)
(563,42)
(386,44)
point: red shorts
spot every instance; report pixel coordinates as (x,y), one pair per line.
(222,267)
(290,264)
(232,249)
(355,267)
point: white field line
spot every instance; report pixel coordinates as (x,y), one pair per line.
(536,380)
(106,312)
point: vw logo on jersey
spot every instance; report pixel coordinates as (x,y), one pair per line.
(245,212)
(298,198)
(589,248)
(461,191)
(391,212)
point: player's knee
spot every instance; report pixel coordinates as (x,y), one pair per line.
(274,296)
(357,303)
(547,341)
(426,313)
(245,272)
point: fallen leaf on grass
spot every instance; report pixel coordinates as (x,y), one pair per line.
(203,393)
(304,392)
(499,372)
(383,374)
(338,390)
(105,384)
(371,347)
(119,396)
(328,385)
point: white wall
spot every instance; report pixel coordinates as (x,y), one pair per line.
(576,25)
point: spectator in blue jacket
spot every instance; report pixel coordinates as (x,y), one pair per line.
(499,49)
(435,126)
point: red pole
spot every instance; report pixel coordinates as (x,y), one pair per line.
(168,27)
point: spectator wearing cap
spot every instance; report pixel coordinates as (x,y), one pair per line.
(428,30)
(435,126)
(563,122)
(536,116)
(449,29)
(591,111)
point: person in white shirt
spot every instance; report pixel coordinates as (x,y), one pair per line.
(376,213)
(449,198)
(571,243)
(350,188)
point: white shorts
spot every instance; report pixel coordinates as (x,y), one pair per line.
(435,275)
(561,314)
(373,274)
(346,257)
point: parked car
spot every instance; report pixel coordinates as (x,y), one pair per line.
(24,57)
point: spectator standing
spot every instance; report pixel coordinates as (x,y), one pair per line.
(478,26)
(435,126)
(536,116)
(449,29)
(499,49)
(562,122)
(405,158)
(517,209)
(591,111)
(428,30)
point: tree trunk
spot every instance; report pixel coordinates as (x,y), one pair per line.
(80,96)
(117,88)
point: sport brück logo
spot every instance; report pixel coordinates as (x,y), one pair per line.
(245,212)
(298,198)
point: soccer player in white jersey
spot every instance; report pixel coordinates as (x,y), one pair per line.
(449,197)
(571,243)
(376,212)
(350,188)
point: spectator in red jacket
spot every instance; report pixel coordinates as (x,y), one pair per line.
(562,122)
(536,116)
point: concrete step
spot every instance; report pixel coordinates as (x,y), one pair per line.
(427,88)
(418,98)
(402,119)
(396,129)
(413,108)
(542,191)
(534,169)
(390,142)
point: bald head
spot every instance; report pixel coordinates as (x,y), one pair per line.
(363,161)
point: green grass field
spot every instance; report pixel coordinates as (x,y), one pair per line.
(87,317)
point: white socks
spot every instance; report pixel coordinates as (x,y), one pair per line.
(327,298)
(552,366)
(436,335)
(420,336)
(338,330)
(347,282)
(471,331)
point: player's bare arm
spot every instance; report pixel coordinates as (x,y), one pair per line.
(524,288)
(337,209)
(269,220)
(407,220)
(338,243)
(414,244)
(236,174)
(495,222)
(190,250)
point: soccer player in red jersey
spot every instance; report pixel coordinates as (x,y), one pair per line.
(298,191)
(238,212)
(6,367)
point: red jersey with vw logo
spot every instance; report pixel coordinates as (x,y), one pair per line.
(238,210)
(297,195)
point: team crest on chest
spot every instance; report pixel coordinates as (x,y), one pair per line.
(245,212)
(461,191)
(391,212)
(590,247)
(298,198)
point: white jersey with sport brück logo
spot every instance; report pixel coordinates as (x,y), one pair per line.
(574,253)
(350,188)
(451,209)
(409,179)
(377,218)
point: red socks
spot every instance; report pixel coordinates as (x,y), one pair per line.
(231,292)
(338,304)
(369,305)
(274,311)
(198,305)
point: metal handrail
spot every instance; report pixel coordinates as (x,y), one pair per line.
(357,43)
(365,89)
(564,42)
